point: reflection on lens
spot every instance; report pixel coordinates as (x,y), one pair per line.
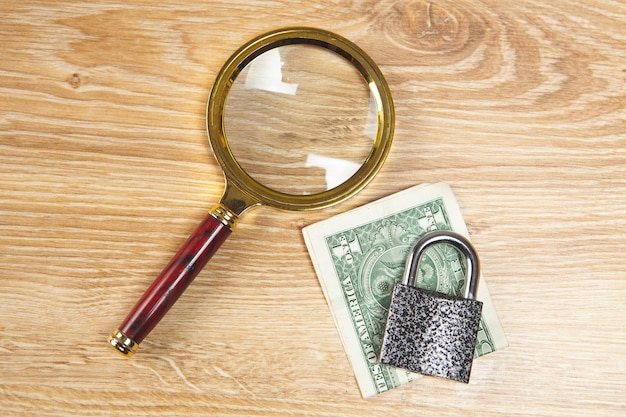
(300,119)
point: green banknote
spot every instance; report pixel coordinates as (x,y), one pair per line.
(359,256)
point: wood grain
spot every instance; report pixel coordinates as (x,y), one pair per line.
(105,169)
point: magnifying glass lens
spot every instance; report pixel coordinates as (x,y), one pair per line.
(300,119)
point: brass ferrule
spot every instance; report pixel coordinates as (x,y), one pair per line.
(225,216)
(122,343)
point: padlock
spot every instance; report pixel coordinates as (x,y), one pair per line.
(429,332)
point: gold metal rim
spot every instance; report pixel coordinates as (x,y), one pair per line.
(300,35)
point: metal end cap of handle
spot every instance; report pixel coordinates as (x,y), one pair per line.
(122,343)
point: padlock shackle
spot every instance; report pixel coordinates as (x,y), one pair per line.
(451,238)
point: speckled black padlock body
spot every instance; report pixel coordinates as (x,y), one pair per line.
(431,333)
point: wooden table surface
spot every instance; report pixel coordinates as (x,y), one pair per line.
(105,168)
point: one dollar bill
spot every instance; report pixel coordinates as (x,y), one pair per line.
(359,256)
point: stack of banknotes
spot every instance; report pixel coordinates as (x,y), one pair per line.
(359,256)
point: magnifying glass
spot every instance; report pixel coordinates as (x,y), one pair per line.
(298,119)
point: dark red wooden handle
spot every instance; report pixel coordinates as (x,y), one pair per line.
(175,278)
